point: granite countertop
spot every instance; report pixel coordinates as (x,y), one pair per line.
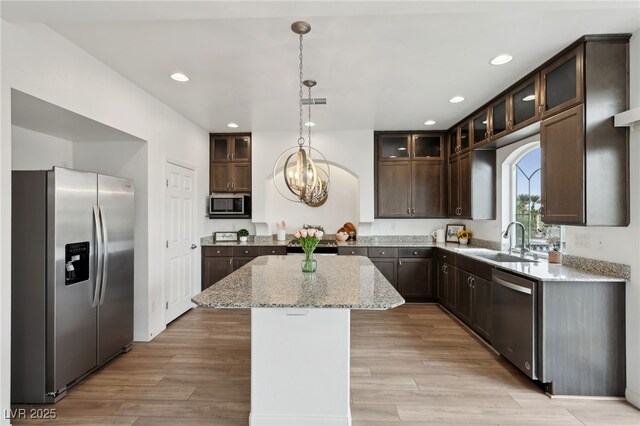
(253,241)
(540,270)
(348,282)
(585,270)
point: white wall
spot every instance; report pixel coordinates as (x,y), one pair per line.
(33,150)
(350,150)
(39,62)
(127,160)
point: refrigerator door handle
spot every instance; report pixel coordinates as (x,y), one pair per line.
(105,255)
(98,278)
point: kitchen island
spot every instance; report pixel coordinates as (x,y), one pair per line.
(300,332)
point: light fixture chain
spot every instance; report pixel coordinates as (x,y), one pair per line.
(309,122)
(300,139)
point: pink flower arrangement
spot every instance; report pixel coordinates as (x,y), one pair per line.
(309,239)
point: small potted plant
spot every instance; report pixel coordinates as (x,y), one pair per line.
(555,255)
(464,236)
(244,235)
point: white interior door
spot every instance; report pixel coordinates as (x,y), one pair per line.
(180,258)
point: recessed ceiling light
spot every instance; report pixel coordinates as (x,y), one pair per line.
(309,124)
(456,99)
(501,59)
(429,123)
(232,125)
(178,76)
(529,98)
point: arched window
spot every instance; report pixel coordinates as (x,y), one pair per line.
(539,237)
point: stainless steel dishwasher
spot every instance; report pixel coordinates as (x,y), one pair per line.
(513,305)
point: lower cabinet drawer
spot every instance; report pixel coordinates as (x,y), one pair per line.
(352,251)
(416,252)
(382,252)
(251,251)
(273,251)
(446,256)
(208,251)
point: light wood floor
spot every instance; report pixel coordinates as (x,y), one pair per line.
(414,365)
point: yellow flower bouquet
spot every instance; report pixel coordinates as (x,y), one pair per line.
(464,234)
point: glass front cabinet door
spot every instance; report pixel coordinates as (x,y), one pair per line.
(562,83)
(524,104)
(394,147)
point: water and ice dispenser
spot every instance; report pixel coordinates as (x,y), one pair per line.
(76,258)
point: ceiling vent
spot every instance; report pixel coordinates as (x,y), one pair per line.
(314,101)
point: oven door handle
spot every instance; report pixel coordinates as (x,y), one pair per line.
(512,286)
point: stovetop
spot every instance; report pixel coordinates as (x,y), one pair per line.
(321,243)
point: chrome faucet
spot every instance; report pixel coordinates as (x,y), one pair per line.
(505,234)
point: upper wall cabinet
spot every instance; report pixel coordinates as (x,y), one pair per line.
(498,118)
(585,159)
(230,162)
(480,124)
(524,104)
(562,83)
(410,175)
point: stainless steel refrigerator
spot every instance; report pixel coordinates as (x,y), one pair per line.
(72,278)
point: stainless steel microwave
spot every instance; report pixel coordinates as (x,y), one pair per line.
(225,204)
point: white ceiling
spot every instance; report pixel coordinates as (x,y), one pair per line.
(382,65)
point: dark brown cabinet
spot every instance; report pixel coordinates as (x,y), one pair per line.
(410,176)
(524,104)
(498,119)
(561,139)
(585,159)
(217,263)
(481,133)
(415,270)
(446,285)
(388,268)
(562,83)
(481,306)
(230,163)
(386,260)
(471,185)
(464,296)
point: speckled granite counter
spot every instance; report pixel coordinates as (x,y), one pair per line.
(254,241)
(347,282)
(574,269)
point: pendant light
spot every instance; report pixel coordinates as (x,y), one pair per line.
(305,180)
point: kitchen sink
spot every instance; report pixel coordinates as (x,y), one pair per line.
(497,256)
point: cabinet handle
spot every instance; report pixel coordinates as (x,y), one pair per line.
(413,210)
(408,210)
(227,156)
(415,253)
(233,185)
(509,125)
(273,252)
(382,253)
(353,252)
(228,185)
(218,252)
(246,252)
(540,109)
(399,262)
(473,282)
(233,154)
(486,134)
(230,261)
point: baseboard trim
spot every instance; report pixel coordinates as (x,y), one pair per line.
(302,420)
(632,397)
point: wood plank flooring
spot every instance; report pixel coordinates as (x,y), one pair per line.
(413,365)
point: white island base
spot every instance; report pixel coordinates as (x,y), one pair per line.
(300,367)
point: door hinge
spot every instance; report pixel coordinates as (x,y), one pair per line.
(167,183)
(166,306)
(167,244)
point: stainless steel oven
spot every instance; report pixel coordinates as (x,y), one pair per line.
(513,307)
(230,204)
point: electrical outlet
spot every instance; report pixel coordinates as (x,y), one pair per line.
(582,240)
